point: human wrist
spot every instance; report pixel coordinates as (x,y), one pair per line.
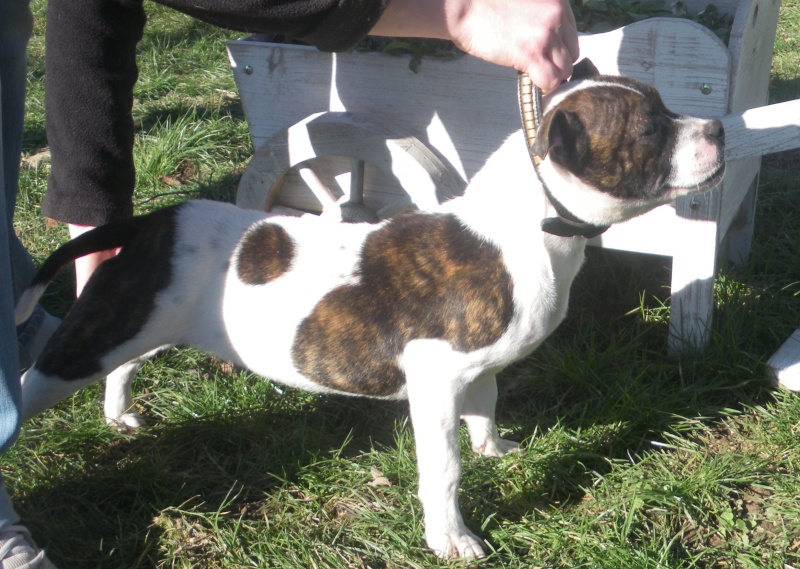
(438,19)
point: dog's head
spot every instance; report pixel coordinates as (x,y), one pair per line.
(611,150)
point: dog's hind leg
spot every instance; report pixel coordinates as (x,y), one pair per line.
(89,345)
(115,321)
(435,391)
(478,412)
(118,404)
(40,390)
(43,388)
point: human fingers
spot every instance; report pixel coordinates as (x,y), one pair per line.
(549,43)
(550,67)
(558,53)
(538,37)
(569,33)
(553,65)
(545,77)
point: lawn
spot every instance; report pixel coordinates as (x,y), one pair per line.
(631,459)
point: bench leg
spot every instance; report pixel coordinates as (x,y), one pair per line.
(740,234)
(692,298)
(784,366)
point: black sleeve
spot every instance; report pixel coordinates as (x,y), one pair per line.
(329,25)
(90,67)
(90,71)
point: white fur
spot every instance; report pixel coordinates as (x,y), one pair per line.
(695,159)
(27,303)
(255,326)
(551,101)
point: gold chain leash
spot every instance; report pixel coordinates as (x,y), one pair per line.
(530,107)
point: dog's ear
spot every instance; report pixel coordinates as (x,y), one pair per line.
(583,70)
(561,137)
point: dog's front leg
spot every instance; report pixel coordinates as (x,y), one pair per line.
(435,394)
(477,411)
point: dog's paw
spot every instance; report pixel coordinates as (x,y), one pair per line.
(496,447)
(126,421)
(452,546)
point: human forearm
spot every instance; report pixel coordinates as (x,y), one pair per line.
(416,19)
(538,37)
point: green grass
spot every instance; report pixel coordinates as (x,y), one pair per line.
(631,459)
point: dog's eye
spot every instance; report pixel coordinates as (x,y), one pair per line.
(652,128)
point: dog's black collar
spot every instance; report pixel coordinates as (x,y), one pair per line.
(566,224)
(529,97)
(561,227)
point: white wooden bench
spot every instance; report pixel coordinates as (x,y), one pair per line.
(430,131)
(784,366)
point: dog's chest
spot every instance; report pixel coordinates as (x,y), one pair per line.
(542,277)
(541,267)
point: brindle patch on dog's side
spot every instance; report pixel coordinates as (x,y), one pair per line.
(265,254)
(421,276)
(117,301)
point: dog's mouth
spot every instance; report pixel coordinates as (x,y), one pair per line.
(706,184)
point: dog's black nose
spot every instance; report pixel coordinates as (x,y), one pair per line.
(714,129)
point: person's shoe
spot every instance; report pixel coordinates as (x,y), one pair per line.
(18,550)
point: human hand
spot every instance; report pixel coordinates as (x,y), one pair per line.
(538,37)
(85,266)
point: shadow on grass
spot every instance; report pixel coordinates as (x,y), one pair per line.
(105,515)
(784,89)
(605,375)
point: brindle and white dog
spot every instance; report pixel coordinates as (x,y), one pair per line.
(428,306)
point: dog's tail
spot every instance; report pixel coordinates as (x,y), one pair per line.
(111,236)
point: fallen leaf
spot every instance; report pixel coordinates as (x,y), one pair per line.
(378,479)
(172,181)
(35,160)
